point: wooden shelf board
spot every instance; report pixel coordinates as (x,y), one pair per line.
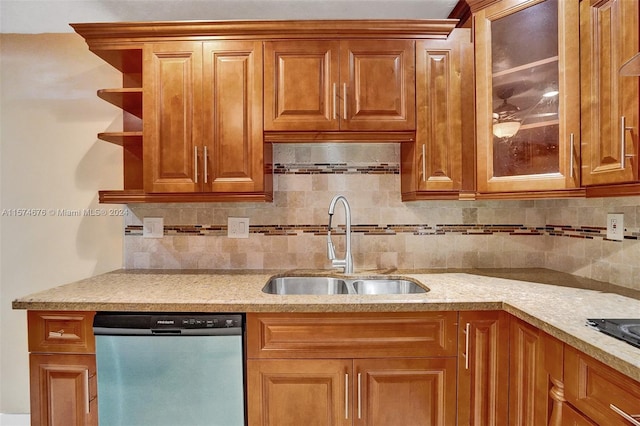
(128,99)
(121,138)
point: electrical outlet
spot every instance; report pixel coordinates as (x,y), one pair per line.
(152,227)
(238,227)
(615,226)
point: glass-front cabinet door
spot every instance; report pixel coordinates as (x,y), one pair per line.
(528,99)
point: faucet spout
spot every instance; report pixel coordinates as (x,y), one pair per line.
(347,262)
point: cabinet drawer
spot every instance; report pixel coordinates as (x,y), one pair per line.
(70,332)
(594,389)
(351,335)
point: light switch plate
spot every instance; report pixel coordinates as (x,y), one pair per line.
(615,226)
(238,227)
(153,227)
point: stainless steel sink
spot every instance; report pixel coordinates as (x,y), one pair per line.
(305,285)
(331,285)
(386,286)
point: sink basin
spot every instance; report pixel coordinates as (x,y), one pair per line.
(330,285)
(385,286)
(305,285)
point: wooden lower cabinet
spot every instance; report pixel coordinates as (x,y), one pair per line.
(535,376)
(414,391)
(62,368)
(352,369)
(483,374)
(602,394)
(572,417)
(418,391)
(63,390)
(298,392)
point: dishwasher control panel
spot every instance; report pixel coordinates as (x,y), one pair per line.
(196,321)
(176,323)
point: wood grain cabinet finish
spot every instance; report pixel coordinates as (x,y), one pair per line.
(362,335)
(535,376)
(63,390)
(203,117)
(610,127)
(572,417)
(415,391)
(351,369)
(512,68)
(298,392)
(199,124)
(58,332)
(602,394)
(432,167)
(62,368)
(339,85)
(409,391)
(483,374)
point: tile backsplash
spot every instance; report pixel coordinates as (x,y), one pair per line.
(567,235)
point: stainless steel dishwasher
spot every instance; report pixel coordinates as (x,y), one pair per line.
(170,369)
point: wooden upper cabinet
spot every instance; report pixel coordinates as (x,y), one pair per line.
(301,78)
(172,103)
(610,124)
(432,167)
(203,106)
(352,85)
(528,104)
(203,109)
(233,157)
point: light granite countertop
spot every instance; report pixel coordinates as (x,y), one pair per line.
(557,303)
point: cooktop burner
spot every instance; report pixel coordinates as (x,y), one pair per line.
(623,329)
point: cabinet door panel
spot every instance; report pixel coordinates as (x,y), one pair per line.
(593,388)
(232,105)
(535,375)
(171,104)
(483,379)
(298,392)
(405,392)
(63,390)
(380,85)
(528,98)
(300,79)
(608,38)
(571,417)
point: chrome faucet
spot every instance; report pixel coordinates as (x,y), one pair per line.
(347,262)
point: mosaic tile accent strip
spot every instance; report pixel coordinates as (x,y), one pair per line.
(336,168)
(393,229)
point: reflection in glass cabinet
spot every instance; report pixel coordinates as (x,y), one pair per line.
(525,64)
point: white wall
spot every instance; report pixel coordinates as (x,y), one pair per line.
(50,159)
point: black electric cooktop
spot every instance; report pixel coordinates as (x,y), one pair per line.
(627,330)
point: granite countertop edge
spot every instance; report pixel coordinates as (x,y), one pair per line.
(557,303)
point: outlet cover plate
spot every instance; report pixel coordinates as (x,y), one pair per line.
(238,227)
(615,226)
(153,227)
